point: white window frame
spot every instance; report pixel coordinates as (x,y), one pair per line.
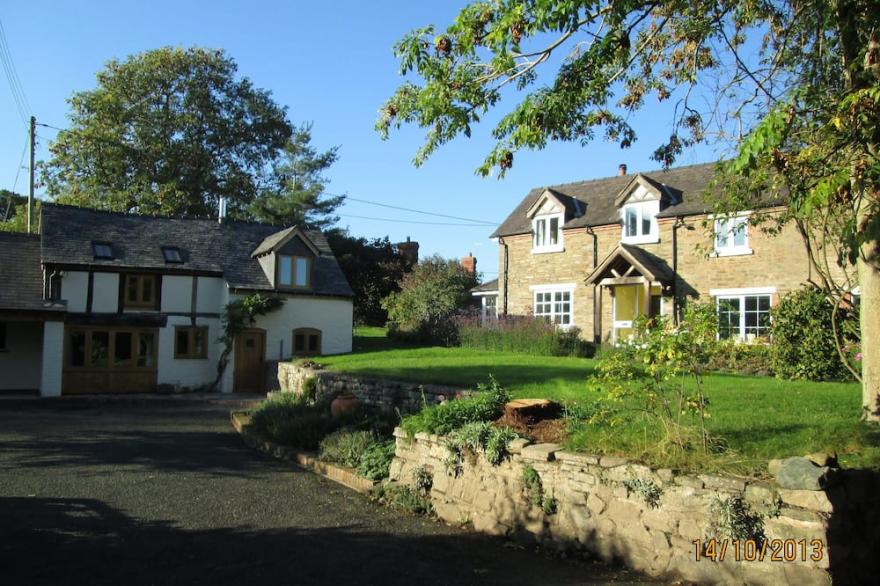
(545,245)
(554,289)
(642,209)
(741,294)
(484,310)
(731,249)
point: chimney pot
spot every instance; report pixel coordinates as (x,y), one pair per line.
(621,169)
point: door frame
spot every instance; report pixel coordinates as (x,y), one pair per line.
(617,324)
(236,386)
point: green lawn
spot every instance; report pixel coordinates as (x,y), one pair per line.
(756,418)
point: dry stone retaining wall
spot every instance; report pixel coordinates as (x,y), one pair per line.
(386,395)
(602,505)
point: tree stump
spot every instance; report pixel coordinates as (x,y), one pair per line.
(527,412)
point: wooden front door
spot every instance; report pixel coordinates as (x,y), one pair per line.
(250,351)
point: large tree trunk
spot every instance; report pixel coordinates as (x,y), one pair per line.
(869,283)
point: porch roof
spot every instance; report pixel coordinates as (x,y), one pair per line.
(629,264)
(21,288)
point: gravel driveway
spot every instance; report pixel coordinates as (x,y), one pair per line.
(145,495)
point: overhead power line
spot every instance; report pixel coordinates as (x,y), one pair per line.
(393,207)
(401,221)
(21,102)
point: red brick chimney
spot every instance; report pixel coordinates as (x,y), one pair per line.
(469,264)
(621,169)
(409,250)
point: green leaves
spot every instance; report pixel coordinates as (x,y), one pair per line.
(167,132)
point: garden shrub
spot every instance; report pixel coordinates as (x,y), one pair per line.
(400,496)
(375,462)
(346,447)
(803,336)
(430,297)
(522,334)
(485,405)
(741,358)
(292,420)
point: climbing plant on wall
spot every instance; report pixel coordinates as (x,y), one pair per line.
(238,315)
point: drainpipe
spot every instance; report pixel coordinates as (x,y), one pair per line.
(597,310)
(676,305)
(506,258)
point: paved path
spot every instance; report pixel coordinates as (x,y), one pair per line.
(141,495)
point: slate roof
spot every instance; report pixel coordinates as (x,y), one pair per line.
(596,198)
(206,246)
(21,276)
(487,286)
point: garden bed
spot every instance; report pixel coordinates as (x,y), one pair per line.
(757,417)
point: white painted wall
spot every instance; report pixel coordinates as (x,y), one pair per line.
(53,358)
(20,361)
(177,293)
(75,290)
(332,316)
(226,383)
(105,295)
(188,372)
(212,293)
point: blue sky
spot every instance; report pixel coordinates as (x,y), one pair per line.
(330,63)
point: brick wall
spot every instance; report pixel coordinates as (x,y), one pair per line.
(778,261)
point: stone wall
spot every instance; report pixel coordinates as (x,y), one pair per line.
(382,394)
(604,505)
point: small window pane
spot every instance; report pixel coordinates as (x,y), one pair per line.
(132,289)
(764,303)
(302,272)
(540,227)
(751,303)
(646,222)
(721,234)
(313,343)
(102,250)
(299,342)
(182,342)
(147,289)
(739,232)
(199,342)
(631,221)
(286,276)
(122,349)
(100,348)
(145,349)
(554,230)
(78,349)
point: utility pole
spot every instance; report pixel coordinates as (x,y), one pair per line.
(30,204)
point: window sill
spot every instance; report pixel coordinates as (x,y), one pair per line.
(734,252)
(548,249)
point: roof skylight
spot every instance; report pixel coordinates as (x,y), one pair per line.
(172,254)
(102,250)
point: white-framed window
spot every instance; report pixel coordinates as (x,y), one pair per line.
(555,306)
(640,222)
(547,233)
(743,317)
(732,236)
(489,309)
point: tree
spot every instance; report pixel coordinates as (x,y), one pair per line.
(297,195)
(169,131)
(430,296)
(374,269)
(792,84)
(13,212)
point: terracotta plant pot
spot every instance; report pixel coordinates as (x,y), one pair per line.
(343,405)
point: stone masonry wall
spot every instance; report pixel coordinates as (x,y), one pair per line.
(597,511)
(382,394)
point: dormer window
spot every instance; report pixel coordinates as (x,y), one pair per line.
(640,222)
(102,250)
(732,236)
(294,271)
(547,233)
(171,254)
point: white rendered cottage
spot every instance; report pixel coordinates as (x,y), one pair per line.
(104,302)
